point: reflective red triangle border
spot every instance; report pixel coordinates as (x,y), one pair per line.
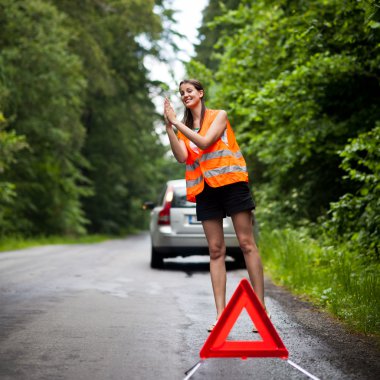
(271,345)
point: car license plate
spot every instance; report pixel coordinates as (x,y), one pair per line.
(193,219)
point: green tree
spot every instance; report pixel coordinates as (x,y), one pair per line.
(209,33)
(10,144)
(356,216)
(298,79)
(45,85)
(122,147)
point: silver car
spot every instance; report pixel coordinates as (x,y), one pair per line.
(175,230)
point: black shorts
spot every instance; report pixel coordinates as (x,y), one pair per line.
(218,202)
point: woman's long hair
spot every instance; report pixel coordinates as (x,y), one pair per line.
(188,116)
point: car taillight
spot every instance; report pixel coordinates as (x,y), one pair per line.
(164,214)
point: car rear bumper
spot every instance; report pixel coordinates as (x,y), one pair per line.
(169,244)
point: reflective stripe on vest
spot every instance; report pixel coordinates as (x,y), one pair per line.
(224,170)
(220,153)
(193,166)
(194,182)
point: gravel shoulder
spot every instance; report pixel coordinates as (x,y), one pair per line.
(352,350)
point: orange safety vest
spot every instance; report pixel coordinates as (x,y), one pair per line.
(220,164)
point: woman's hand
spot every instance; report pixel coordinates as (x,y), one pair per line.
(168,124)
(169,113)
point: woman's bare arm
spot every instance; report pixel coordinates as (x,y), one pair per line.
(178,146)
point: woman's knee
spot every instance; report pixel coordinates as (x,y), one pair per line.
(248,246)
(217,251)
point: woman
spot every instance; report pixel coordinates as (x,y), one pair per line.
(217,180)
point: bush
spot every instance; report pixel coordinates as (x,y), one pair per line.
(336,278)
(355,218)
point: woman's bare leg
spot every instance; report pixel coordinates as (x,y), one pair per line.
(217,248)
(243,227)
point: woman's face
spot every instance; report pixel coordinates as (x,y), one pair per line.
(190,96)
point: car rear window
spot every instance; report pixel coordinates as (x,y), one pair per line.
(179,199)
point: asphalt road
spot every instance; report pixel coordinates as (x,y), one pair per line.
(97,311)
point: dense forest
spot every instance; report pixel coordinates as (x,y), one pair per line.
(301,83)
(78,148)
(300,80)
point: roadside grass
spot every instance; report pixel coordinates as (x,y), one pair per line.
(17,242)
(331,277)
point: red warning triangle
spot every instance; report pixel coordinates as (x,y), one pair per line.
(271,345)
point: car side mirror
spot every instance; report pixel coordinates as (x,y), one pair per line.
(148,205)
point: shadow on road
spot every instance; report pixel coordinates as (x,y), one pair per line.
(196,267)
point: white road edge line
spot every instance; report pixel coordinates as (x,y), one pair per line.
(302,370)
(192,370)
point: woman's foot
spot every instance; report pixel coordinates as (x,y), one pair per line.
(211,327)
